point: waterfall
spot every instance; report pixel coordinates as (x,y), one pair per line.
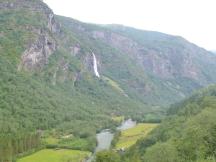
(95,66)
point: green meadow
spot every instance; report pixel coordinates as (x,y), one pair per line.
(61,155)
(130,136)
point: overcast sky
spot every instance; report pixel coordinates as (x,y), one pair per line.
(193,19)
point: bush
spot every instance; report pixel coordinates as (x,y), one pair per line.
(108,156)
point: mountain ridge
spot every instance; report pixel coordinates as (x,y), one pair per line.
(142,64)
(48,82)
(100,35)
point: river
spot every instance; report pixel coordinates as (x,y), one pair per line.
(126,125)
(105,137)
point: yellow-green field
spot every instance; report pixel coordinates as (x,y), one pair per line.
(130,136)
(50,155)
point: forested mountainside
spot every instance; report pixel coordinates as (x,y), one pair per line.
(187,134)
(155,68)
(60,76)
(45,87)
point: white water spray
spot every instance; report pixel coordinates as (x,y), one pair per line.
(95,66)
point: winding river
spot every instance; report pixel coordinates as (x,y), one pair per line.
(105,137)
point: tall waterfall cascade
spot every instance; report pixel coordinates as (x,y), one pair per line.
(95,66)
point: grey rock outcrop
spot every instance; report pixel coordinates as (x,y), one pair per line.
(37,52)
(37,55)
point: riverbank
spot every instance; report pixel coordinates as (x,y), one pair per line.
(105,137)
(128,133)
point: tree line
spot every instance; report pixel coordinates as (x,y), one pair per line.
(12,146)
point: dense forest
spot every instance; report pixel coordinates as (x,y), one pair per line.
(50,96)
(12,145)
(74,102)
(187,134)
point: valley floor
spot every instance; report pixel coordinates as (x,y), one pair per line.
(130,132)
(130,136)
(56,155)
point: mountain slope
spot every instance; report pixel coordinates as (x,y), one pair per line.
(34,51)
(49,81)
(153,67)
(187,134)
(45,87)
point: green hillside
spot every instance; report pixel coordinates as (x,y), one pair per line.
(49,88)
(51,92)
(187,134)
(152,67)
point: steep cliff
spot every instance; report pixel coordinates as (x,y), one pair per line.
(153,67)
(49,77)
(62,73)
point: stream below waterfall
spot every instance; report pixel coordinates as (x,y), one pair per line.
(105,137)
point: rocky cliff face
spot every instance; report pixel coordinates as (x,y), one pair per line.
(38,53)
(160,66)
(151,67)
(164,63)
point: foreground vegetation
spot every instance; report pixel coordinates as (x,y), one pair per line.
(188,134)
(58,155)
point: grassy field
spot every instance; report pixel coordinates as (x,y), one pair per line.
(49,155)
(130,136)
